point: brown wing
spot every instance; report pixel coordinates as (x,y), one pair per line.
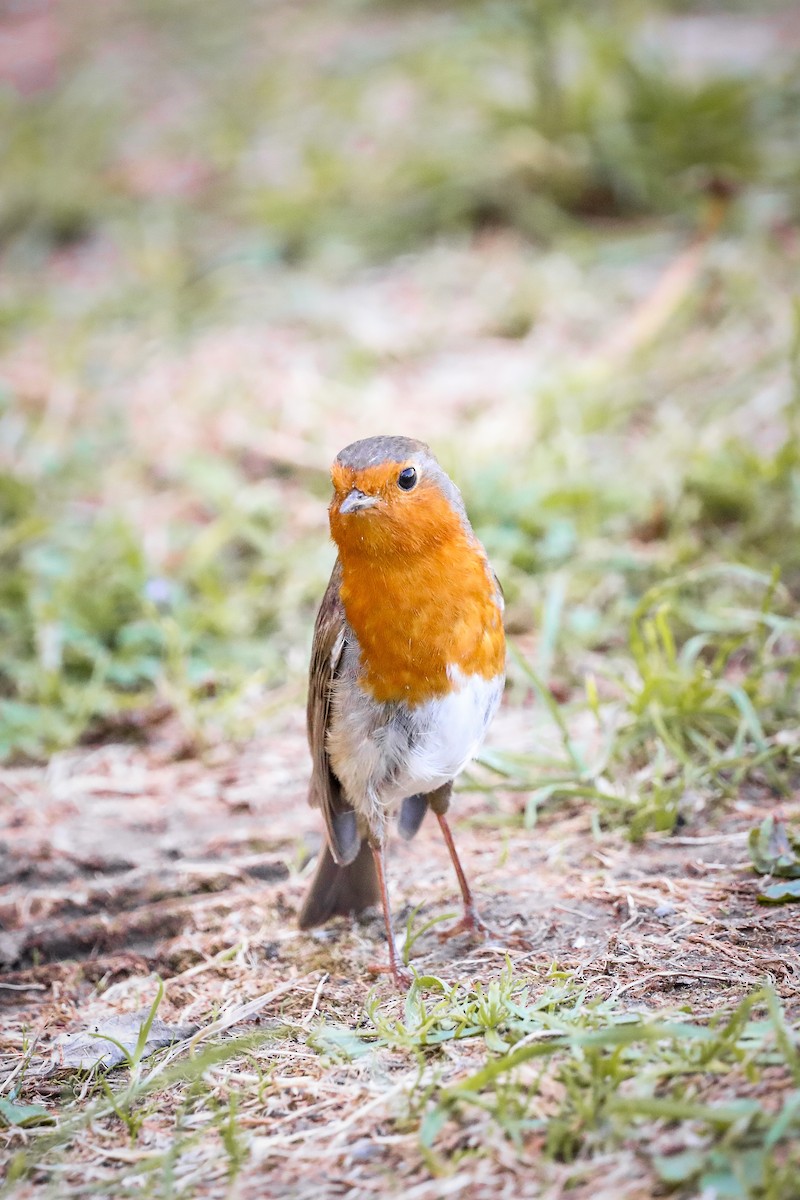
(325,791)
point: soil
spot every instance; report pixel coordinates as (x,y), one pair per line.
(120,860)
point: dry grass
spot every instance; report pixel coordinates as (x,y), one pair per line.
(302,1079)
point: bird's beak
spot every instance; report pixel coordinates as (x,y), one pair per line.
(356,500)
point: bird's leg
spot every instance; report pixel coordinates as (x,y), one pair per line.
(402,977)
(470,921)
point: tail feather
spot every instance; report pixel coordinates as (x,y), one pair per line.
(339,891)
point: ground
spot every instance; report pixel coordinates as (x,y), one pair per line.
(123,866)
(233,241)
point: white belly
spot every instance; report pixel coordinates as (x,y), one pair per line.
(382,753)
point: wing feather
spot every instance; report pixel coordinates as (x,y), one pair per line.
(325,791)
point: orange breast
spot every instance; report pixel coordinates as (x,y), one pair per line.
(416,616)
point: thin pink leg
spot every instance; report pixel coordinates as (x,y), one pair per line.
(401,977)
(470,921)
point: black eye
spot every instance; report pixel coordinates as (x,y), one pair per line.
(407,478)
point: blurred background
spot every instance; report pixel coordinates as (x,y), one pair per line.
(558,239)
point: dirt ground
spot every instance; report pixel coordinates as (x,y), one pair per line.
(124,861)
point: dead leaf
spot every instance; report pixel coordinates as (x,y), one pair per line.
(106,1043)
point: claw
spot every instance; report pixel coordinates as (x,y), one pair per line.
(401,976)
(471,923)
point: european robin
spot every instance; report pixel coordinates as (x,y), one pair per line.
(407,670)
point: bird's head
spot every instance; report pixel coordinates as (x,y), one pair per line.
(391,496)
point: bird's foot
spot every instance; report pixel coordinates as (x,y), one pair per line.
(470,923)
(401,977)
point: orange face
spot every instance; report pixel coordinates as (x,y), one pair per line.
(375,512)
(416,586)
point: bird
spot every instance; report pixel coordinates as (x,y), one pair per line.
(407,670)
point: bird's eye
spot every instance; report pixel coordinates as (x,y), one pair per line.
(407,478)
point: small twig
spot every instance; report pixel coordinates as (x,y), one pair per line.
(698,841)
(671,288)
(334,1132)
(23,1064)
(677,974)
(312,1110)
(359,1112)
(242,1013)
(314,1003)
(224,957)
(575,912)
